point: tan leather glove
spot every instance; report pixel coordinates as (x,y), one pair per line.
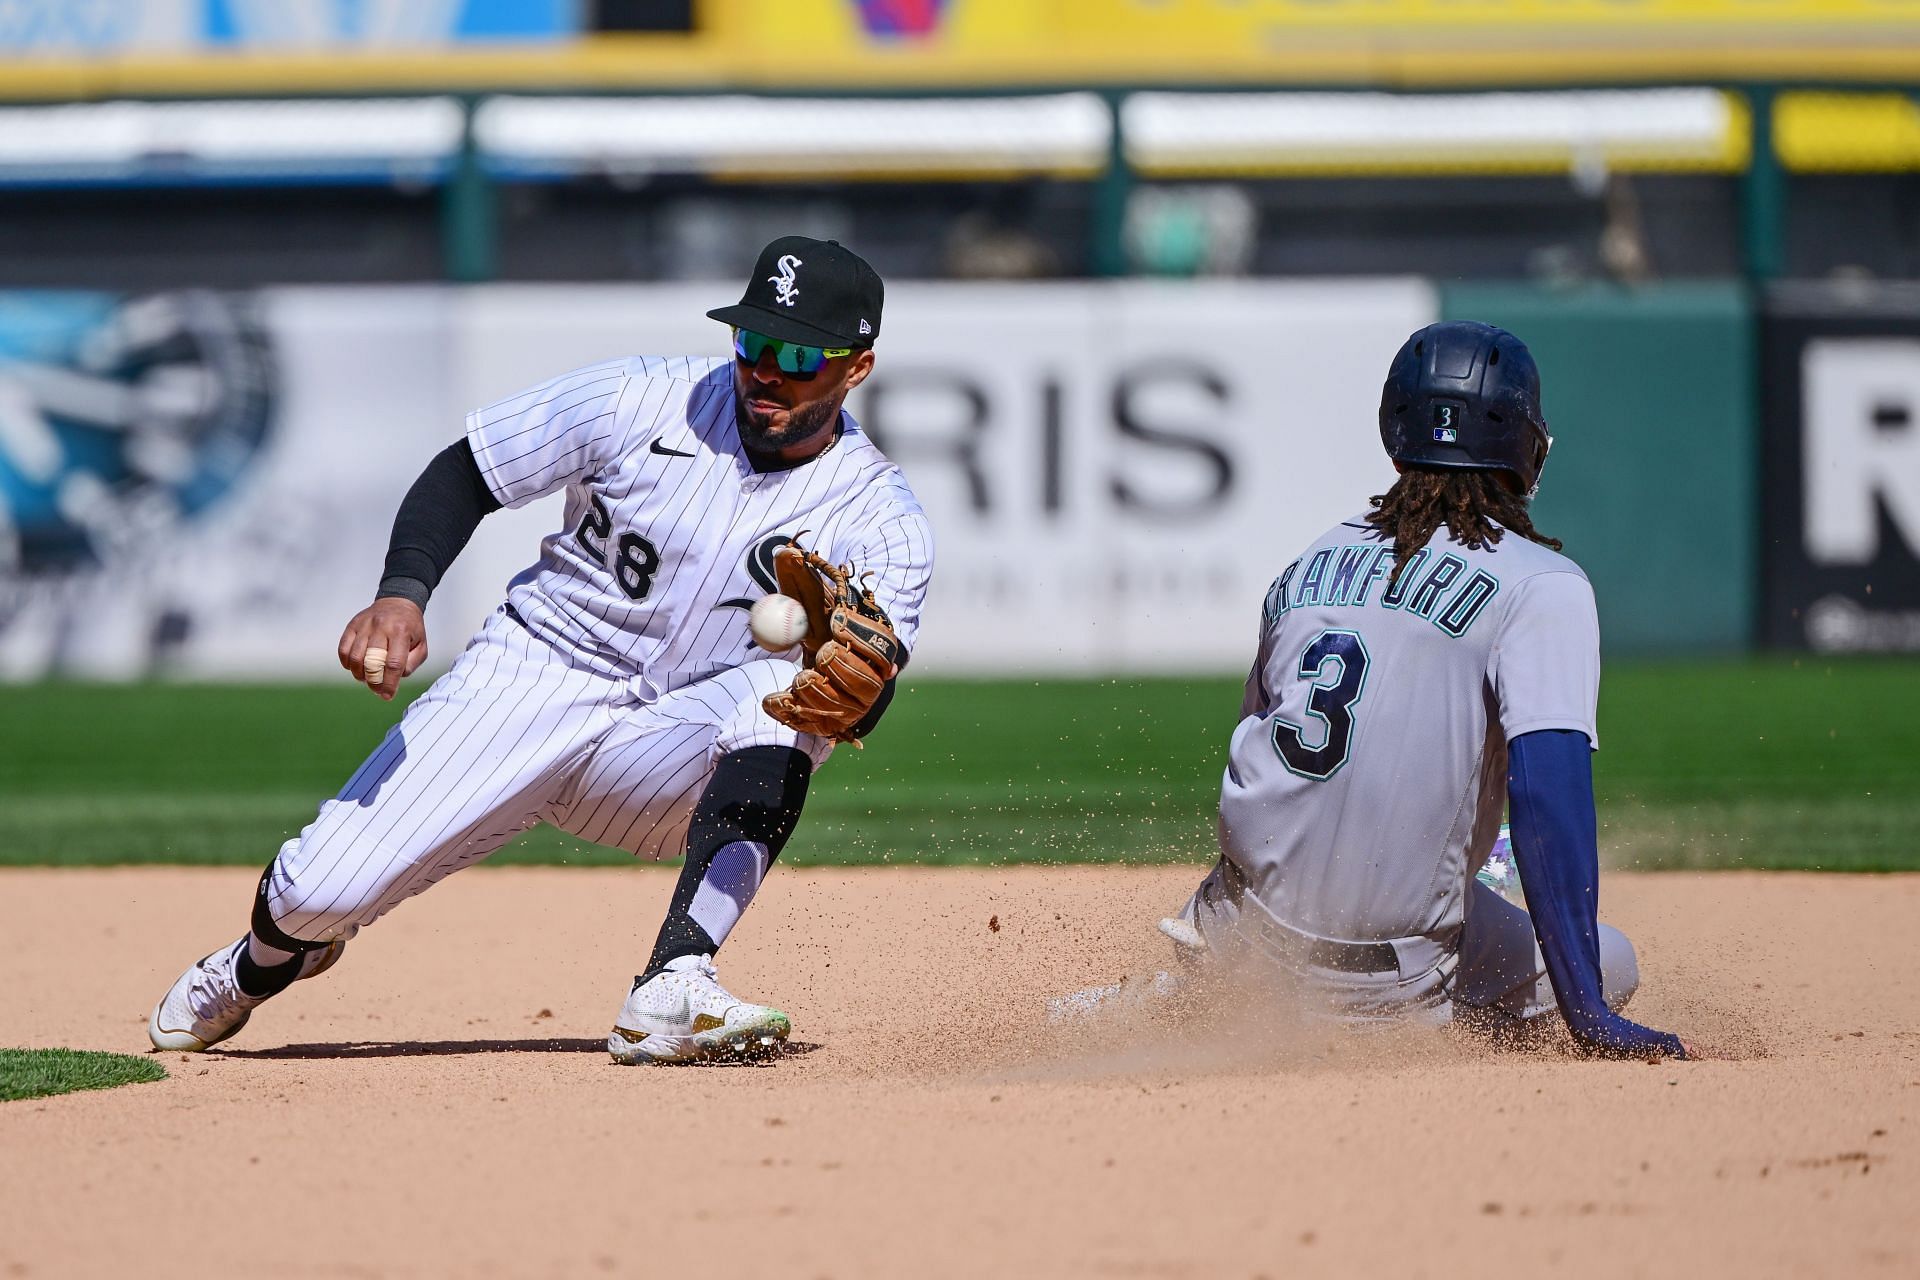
(850,651)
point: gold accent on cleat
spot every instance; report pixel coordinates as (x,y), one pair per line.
(707,1022)
(631,1037)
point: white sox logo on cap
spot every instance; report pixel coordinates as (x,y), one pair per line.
(786,289)
(841,306)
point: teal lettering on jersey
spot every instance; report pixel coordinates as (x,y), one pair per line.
(1427,595)
(1276,602)
(1343,577)
(1396,594)
(1316,574)
(1345,570)
(1382,561)
(1469,604)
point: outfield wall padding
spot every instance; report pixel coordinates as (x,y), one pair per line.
(1653,477)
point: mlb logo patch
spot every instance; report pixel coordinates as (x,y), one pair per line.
(1445,435)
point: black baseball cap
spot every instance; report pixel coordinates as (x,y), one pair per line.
(817,292)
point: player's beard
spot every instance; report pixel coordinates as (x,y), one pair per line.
(803,423)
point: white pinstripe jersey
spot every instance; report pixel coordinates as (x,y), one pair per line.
(669,530)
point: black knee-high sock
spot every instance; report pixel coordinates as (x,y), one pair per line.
(754,796)
(259,980)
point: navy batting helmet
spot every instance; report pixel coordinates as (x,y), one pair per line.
(1461,395)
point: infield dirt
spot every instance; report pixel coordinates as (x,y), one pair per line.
(440,1103)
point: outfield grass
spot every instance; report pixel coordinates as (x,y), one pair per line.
(42,1073)
(1775,763)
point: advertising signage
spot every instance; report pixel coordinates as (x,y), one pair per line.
(1840,495)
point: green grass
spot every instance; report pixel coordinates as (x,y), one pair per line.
(1805,763)
(42,1073)
(1772,763)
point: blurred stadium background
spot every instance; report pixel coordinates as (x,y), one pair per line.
(1147,260)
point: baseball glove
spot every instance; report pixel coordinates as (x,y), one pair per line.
(850,651)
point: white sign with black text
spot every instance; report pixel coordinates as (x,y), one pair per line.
(1114,472)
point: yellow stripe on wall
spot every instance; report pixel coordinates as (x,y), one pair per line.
(816,45)
(1847,132)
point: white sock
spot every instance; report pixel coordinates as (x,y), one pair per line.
(266,956)
(732,878)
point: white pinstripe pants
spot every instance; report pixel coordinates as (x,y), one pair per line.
(509,737)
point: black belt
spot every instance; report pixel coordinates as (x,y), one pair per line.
(1321,953)
(1352,957)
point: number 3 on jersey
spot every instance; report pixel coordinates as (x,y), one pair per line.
(635,559)
(1336,662)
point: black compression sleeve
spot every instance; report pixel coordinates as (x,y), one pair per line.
(755,794)
(438,515)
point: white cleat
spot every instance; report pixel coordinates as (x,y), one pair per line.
(205,1005)
(1143,993)
(683,1014)
(1187,941)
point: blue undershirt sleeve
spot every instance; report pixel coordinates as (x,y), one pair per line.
(1550,801)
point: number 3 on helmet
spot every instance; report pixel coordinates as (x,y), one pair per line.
(1461,395)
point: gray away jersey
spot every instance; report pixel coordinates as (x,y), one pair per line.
(1367,777)
(669,531)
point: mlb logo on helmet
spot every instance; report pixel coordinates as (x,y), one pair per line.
(1444,431)
(901,17)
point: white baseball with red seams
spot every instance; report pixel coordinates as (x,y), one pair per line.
(778,622)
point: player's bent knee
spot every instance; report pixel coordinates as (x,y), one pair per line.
(1619,968)
(296,935)
(754,728)
(750,725)
(310,929)
(310,902)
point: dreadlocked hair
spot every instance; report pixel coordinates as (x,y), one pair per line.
(1476,505)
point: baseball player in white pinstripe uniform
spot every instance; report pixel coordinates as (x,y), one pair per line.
(617,693)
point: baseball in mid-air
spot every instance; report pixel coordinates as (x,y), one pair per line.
(777,622)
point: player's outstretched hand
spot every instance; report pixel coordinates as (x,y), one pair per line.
(1612,1036)
(385,641)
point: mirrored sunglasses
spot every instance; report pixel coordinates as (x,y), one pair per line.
(795,359)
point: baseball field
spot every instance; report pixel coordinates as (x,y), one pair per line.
(441,1102)
(1806,763)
